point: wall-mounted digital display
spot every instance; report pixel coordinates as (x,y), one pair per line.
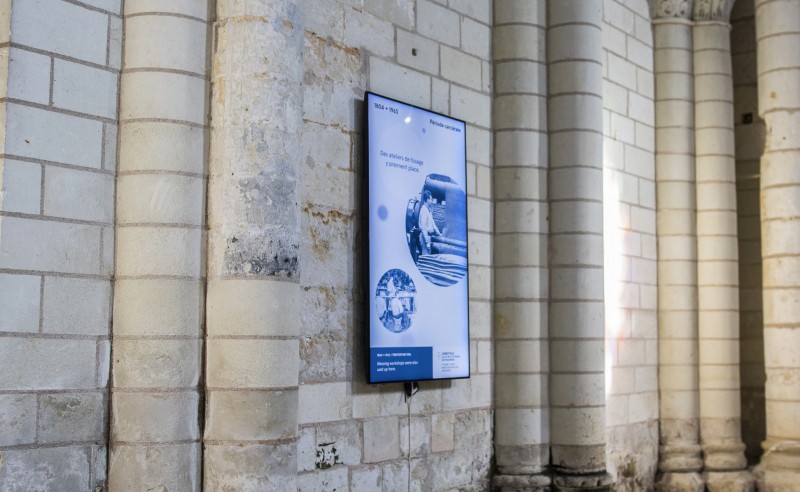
(416,205)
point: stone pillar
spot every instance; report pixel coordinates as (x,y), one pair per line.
(254,232)
(717,252)
(577,332)
(679,452)
(778,37)
(158,294)
(520,255)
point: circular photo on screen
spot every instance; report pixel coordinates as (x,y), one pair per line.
(395,300)
(436,230)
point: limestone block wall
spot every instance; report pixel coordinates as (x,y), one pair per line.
(435,54)
(59,75)
(749,136)
(630,243)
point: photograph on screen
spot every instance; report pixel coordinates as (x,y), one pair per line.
(416,243)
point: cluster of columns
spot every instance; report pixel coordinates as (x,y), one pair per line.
(700,426)
(700,422)
(550,419)
(236,127)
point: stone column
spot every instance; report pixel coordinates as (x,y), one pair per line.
(679,453)
(577,333)
(717,251)
(778,36)
(520,255)
(254,232)
(158,294)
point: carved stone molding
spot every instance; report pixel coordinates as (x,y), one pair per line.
(667,9)
(713,10)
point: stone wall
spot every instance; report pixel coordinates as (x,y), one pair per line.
(59,74)
(630,244)
(435,55)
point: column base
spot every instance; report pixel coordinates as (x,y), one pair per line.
(737,481)
(591,481)
(779,470)
(521,483)
(680,482)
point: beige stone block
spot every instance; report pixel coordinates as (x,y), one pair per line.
(171,466)
(577,355)
(520,76)
(527,11)
(518,42)
(461,68)
(383,78)
(643,407)
(70,248)
(157,307)
(362,29)
(249,363)
(675,195)
(521,426)
(769,83)
(520,148)
(514,319)
(471,106)
(710,248)
(254,415)
(417,52)
(156,363)
(476,39)
(71,417)
(718,273)
(520,249)
(161,95)
(676,247)
(578,183)
(571,320)
(674,140)
(19,303)
(576,148)
(520,217)
(512,390)
(576,217)
(147,35)
(381,439)
(442,432)
(568,390)
(160,199)
(159,251)
(76,306)
(719,352)
(249,307)
(191,8)
(251,467)
(167,146)
(521,356)
(673,35)
(575,112)
(574,42)
(679,61)
(438,23)
(17,419)
(21,190)
(577,426)
(519,282)
(719,404)
(59,468)
(679,378)
(678,351)
(154,417)
(675,168)
(42,364)
(581,283)
(779,346)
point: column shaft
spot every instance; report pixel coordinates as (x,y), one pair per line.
(778,37)
(252,312)
(717,247)
(577,331)
(157,320)
(679,453)
(520,179)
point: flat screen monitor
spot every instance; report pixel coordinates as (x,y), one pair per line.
(415,206)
